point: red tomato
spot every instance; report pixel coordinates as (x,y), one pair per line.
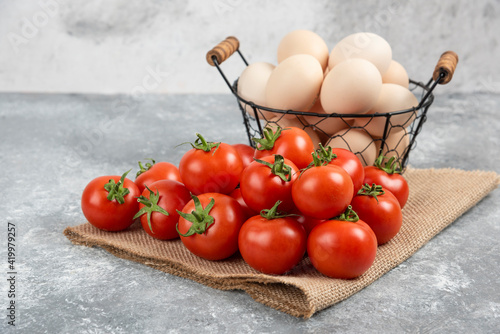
(267,181)
(156,171)
(308,222)
(272,245)
(211,233)
(380,210)
(388,177)
(210,167)
(323,192)
(348,161)
(291,142)
(246,153)
(158,207)
(342,249)
(110,202)
(236,194)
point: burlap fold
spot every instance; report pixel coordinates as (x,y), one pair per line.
(437,198)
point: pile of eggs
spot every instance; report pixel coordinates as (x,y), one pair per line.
(358,77)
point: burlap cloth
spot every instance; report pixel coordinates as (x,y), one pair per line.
(437,198)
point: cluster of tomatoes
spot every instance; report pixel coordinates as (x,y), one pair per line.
(272,204)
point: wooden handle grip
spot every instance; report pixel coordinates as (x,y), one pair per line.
(223,50)
(446,64)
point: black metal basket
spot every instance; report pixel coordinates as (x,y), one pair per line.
(398,138)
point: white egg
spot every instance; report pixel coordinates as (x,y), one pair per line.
(392,98)
(303,42)
(252,87)
(324,124)
(365,45)
(396,74)
(356,141)
(351,87)
(395,145)
(295,83)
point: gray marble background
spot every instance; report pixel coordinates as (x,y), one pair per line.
(113,46)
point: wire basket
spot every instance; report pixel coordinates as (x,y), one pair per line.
(400,128)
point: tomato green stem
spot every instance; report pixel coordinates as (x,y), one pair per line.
(150,206)
(392,166)
(317,162)
(143,169)
(200,217)
(273,213)
(325,154)
(374,190)
(202,144)
(349,215)
(116,191)
(270,137)
(279,168)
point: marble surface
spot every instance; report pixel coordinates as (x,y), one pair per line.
(52,145)
(114,46)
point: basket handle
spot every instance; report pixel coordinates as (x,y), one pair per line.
(446,65)
(223,50)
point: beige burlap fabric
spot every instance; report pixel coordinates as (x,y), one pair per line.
(437,198)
